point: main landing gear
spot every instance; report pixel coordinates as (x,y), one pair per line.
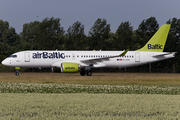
(89,73)
(83,72)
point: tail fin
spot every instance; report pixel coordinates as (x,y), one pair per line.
(158,40)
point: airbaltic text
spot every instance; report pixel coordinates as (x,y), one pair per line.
(156,46)
(46,55)
(69,67)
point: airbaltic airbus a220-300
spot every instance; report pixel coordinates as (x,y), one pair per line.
(74,61)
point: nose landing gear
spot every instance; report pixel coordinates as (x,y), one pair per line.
(17,71)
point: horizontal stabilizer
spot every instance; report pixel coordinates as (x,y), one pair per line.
(163,54)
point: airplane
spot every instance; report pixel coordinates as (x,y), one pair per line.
(84,61)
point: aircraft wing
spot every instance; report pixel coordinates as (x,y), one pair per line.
(105,58)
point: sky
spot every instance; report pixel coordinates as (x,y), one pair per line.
(19,12)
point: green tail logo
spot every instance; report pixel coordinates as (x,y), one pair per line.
(157,42)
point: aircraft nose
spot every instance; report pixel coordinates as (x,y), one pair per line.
(5,62)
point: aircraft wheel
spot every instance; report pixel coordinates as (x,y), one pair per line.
(89,73)
(82,73)
(17,73)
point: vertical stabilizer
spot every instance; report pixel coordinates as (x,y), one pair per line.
(158,40)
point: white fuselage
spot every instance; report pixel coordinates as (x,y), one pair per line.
(48,59)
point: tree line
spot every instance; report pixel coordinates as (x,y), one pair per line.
(50,35)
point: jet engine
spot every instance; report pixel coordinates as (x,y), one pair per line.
(68,67)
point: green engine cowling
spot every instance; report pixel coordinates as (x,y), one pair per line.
(68,67)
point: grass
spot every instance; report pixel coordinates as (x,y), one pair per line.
(90,89)
(88,106)
(101,96)
(97,78)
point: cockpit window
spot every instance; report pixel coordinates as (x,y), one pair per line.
(12,56)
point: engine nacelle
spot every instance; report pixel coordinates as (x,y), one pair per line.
(68,67)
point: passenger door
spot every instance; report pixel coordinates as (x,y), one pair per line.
(27,56)
(137,57)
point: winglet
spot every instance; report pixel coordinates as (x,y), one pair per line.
(123,54)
